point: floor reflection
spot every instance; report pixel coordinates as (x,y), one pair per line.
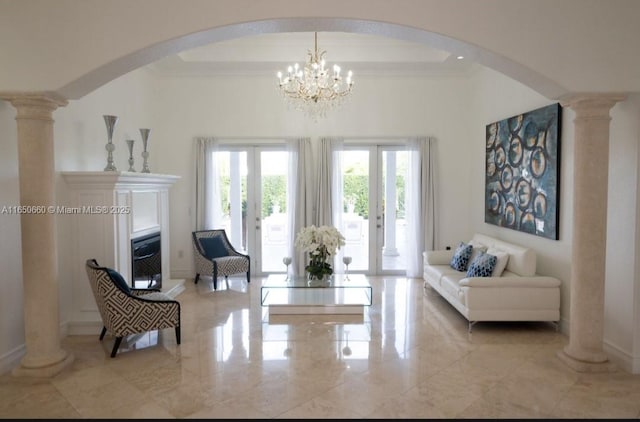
(408,356)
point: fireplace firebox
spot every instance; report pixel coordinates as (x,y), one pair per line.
(146,262)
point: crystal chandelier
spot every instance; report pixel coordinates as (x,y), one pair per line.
(314,90)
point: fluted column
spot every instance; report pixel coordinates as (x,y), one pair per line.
(44,357)
(584,352)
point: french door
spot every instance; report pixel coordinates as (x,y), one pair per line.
(373,218)
(253,199)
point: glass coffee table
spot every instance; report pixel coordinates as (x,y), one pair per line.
(341,296)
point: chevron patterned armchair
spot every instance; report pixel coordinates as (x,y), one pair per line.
(127,311)
(214,256)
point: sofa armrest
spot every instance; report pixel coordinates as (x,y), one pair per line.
(440,257)
(536,281)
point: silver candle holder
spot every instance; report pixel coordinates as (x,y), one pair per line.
(111,122)
(130,145)
(145,154)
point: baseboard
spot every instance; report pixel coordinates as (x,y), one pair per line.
(85,328)
(173,287)
(186,273)
(10,360)
(621,358)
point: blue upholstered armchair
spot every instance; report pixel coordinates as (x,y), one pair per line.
(127,311)
(214,255)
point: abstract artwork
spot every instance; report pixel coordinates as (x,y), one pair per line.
(523,171)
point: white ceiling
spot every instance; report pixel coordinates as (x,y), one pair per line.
(268,53)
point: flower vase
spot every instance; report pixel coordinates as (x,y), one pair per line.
(145,154)
(130,146)
(314,281)
(110,122)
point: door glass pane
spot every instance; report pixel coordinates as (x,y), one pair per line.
(355,217)
(232,176)
(394,171)
(274,214)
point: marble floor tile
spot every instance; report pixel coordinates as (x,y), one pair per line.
(409,356)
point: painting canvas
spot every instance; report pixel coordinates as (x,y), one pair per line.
(523,170)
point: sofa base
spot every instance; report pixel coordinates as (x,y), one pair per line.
(488,315)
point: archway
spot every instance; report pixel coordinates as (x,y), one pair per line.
(485,57)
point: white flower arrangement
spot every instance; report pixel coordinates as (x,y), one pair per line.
(321,243)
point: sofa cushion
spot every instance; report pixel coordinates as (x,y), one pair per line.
(450,283)
(460,259)
(522,261)
(502,258)
(436,272)
(482,265)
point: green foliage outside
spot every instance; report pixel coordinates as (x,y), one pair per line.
(274,192)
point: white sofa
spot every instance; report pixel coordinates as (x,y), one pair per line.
(518,294)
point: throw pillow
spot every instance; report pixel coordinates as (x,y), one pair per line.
(501,263)
(118,280)
(477,250)
(460,259)
(482,265)
(213,247)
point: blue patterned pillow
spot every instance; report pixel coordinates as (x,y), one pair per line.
(460,259)
(482,265)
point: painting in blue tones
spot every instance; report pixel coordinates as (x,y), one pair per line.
(523,171)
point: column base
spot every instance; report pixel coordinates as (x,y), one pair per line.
(47,371)
(582,366)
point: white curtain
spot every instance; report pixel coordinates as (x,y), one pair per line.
(323,205)
(299,196)
(208,203)
(337,210)
(328,204)
(420,203)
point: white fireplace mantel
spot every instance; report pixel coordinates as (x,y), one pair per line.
(107,209)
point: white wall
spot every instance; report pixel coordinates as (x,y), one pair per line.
(453,110)
(495,98)
(622,282)
(252,107)
(622,286)
(11,315)
(80,136)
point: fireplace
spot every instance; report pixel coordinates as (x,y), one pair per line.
(146,262)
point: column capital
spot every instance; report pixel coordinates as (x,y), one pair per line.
(592,104)
(34,105)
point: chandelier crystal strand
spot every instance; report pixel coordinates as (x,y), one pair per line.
(315,90)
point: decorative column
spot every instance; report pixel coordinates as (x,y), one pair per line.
(590,183)
(44,356)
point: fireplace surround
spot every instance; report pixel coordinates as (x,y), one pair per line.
(138,206)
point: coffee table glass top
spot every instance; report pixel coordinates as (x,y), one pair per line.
(351,290)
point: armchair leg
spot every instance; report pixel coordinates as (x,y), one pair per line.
(215,278)
(115,347)
(248,278)
(196,279)
(178,334)
(104,331)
